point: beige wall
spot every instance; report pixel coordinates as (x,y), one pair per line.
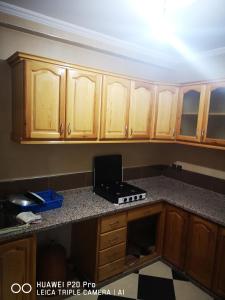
(211,158)
(206,68)
(37,160)
(12,41)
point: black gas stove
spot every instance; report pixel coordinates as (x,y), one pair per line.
(108,183)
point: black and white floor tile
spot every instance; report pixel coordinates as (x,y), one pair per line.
(154,282)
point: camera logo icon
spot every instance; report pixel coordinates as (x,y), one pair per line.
(25,288)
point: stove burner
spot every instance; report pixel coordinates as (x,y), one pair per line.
(108,176)
(120,192)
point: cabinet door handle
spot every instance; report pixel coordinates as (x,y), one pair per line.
(68,129)
(174,132)
(114,240)
(61,130)
(203,133)
(126,129)
(131,131)
(115,223)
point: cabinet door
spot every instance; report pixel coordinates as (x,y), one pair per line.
(166,107)
(115,106)
(45,100)
(17,265)
(214,121)
(141,110)
(175,236)
(82,106)
(201,250)
(190,113)
(219,275)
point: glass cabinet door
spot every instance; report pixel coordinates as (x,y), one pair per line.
(190,113)
(215,125)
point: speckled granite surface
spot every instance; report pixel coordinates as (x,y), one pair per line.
(81,204)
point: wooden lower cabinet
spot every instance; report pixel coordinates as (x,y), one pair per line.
(99,246)
(201,249)
(111,254)
(112,238)
(219,275)
(175,235)
(18,265)
(84,247)
(113,222)
(111,269)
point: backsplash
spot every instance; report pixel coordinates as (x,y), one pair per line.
(197,179)
(75,180)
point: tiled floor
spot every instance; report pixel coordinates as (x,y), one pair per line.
(154,282)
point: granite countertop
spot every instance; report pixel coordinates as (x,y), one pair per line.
(82,204)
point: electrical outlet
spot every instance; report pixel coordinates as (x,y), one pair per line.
(179,167)
(176,167)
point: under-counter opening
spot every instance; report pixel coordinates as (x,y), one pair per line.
(141,239)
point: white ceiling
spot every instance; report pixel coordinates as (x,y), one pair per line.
(200,26)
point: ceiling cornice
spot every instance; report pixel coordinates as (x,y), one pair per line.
(77,35)
(86,37)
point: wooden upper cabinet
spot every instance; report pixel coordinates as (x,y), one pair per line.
(65,103)
(214,121)
(141,110)
(44,100)
(190,113)
(18,260)
(82,104)
(115,108)
(165,113)
(175,235)
(201,250)
(219,275)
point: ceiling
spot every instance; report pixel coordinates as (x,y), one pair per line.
(200,26)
